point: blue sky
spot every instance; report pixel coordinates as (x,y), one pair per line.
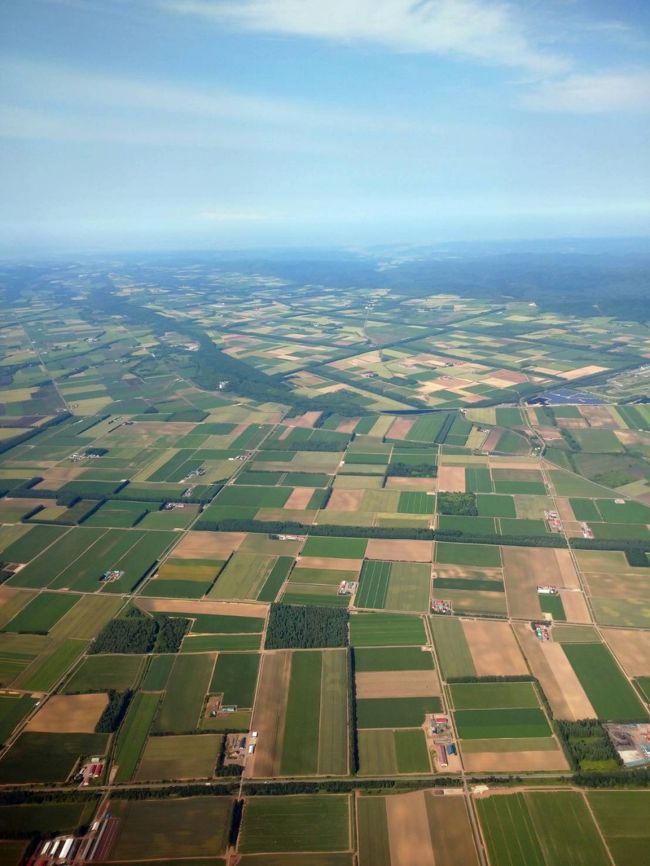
(199,123)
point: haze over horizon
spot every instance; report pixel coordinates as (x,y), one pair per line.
(229,123)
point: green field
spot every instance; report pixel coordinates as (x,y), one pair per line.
(13,709)
(171,829)
(157,674)
(495,505)
(418,502)
(509,831)
(622,818)
(295,823)
(373,841)
(566,830)
(393,659)
(181,757)
(486,555)
(395,712)
(453,649)
(100,673)
(42,612)
(469,696)
(385,629)
(133,734)
(235,675)
(343,548)
(186,690)
(302,720)
(609,692)
(37,757)
(373,584)
(243,576)
(501,723)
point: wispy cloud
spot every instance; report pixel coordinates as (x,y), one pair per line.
(483,30)
(592,94)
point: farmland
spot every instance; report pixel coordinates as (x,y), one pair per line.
(313,547)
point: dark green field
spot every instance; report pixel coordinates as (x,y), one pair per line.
(610,693)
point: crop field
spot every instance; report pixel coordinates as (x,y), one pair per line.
(176,488)
(186,689)
(180,757)
(171,829)
(106,672)
(133,734)
(377,629)
(610,694)
(295,823)
(621,817)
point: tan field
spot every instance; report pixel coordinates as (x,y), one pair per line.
(203,545)
(575,606)
(514,762)
(460,571)
(631,648)
(345,500)
(513,463)
(395,482)
(399,551)
(494,649)
(300,497)
(225,608)
(568,574)
(451,479)
(269,713)
(400,428)
(524,569)
(306,420)
(408,830)
(579,372)
(347,426)
(329,563)
(492,439)
(451,832)
(397,684)
(556,676)
(69,714)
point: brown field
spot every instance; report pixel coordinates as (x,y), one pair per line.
(492,439)
(226,608)
(306,420)
(514,762)
(347,426)
(60,474)
(400,428)
(7,593)
(556,677)
(575,606)
(299,498)
(69,714)
(285,434)
(621,585)
(631,648)
(511,376)
(579,372)
(397,684)
(451,832)
(269,713)
(599,416)
(345,500)
(460,571)
(564,509)
(524,568)
(204,545)
(399,551)
(494,649)
(408,830)
(412,483)
(568,574)
(451,478)
(329,563)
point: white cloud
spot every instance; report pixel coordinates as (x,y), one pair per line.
(592,94)
(488,31)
